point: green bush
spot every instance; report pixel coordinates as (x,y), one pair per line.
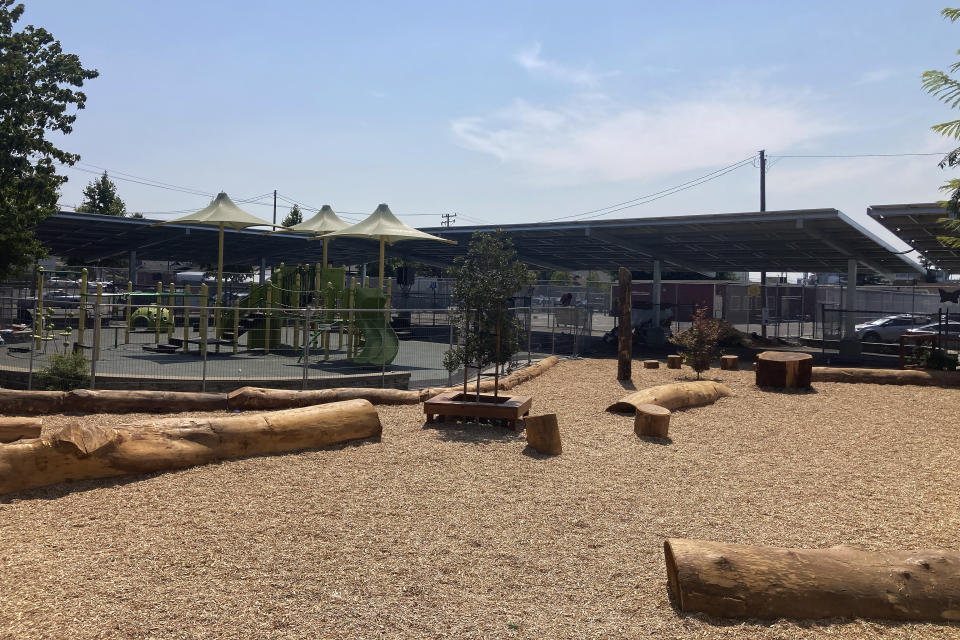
(64,373)
(938,359)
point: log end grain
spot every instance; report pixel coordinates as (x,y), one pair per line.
(652,421)
(543,434)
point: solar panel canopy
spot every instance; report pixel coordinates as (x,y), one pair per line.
(919,225)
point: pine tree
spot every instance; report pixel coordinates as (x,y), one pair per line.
(294,217)
(100,196)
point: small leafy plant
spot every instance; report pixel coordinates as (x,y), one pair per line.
(64,373)
(698,344)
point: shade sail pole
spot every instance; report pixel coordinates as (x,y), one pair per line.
(219,302)
(382,249)
(324,265)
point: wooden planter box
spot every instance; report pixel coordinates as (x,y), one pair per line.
(453,404)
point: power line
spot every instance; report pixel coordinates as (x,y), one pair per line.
(861,155)
(158,183)
(657,195)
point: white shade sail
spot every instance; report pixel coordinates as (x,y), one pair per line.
(325,221)
(221,211)
(383,225)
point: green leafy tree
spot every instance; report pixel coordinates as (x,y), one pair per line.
(484,280)
(37,92)
(294,217)
(100,196)
(561,276)
(947,89)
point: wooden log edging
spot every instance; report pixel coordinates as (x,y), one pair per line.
(14,402)
(927,377)
(678,395)
(18,428)
(79,451)
(741,581)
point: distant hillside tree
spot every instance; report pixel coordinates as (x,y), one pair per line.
(294,217)
(37,82)
(100,196)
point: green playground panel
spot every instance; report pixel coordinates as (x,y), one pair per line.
(380,341)
(147,317)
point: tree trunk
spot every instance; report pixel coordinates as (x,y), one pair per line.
(740,581)
(674,396)
(138,401)
(247,398)
(652,420)
(79,451)
(887,376)
(784,369)
(17,428)
(625,332)
(543,434)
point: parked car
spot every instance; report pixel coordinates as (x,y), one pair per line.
(889,328)
(950,328)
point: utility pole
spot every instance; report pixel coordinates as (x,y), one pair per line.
(764,312)
(275,205)
(448,219)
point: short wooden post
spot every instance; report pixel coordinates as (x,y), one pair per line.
(651,420)
(730,363)
(543,433)
(674,361)
(651,364)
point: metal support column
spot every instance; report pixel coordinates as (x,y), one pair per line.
(850,347)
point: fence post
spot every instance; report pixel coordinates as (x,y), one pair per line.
(204,319)
(126,331)
(33,332)
(236,324)
(552,319)
(450,371)
(158,308)
(96,340)
(306,349)
(529,333)
(386,322)
(173,311)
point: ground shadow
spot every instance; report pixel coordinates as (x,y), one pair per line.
(664,441)
(789,392)
(471,431)
(530,452)
(627,385)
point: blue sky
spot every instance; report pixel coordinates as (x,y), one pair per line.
(506,111)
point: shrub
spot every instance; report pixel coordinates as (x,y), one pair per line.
(64,373)
(698,344)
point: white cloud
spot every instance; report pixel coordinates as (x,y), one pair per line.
(597,140)
(876,76)
(531,60)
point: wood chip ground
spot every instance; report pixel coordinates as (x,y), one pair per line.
(458,531)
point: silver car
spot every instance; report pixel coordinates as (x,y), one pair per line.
(889,328)
(950,329)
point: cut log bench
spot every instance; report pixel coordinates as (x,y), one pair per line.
(453,404)
(651,364)
(651,420)
(674,361)
(730,363)
(543,434)
(784,369)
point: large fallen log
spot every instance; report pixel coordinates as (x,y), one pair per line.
(28,403)
(139,401)
(247,398)
(677,395)
(79,451)
(930,377)
(739,581)
(17,428)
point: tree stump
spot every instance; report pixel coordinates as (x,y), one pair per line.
(730,363)
(652,420)
(651,364)
(674,361)
(543,434)
(784,369)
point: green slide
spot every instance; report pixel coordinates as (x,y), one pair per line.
(380,342)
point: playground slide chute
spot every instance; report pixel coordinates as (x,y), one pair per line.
(380,341)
